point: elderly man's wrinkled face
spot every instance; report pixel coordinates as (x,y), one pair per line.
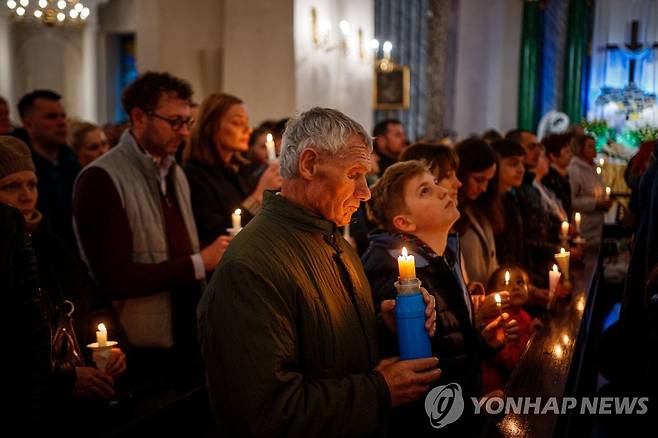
(339,183)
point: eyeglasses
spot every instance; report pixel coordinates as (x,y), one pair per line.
(177,123)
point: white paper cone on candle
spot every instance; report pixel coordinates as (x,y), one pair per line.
(271,149)
(101,356)
(562,260)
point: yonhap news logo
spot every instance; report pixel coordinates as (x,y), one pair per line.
(445,405)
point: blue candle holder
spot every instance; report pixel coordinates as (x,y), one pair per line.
(414,340)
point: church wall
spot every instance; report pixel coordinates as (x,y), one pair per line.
(488,44)
(259,61)
(327,76)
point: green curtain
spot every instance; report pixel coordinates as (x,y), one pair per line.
(528,113)
(576,52)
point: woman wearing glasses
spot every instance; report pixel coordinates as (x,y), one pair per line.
(220,179)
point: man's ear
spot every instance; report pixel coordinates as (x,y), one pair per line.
(308,163)
(138,117)
(403,223)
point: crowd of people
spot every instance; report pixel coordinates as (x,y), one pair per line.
(290,321)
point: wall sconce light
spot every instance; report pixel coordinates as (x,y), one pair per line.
(321,35)
(385,63)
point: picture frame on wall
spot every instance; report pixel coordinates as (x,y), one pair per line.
(391,88)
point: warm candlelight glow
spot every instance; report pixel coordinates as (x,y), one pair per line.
(406,265)
(557,351)
(601,162)
(101,335)
(562,259)
(608,190)
(564,230)
(506,278)
(499,304)
(562,251)
(576,219)
(555,268)
(598,170)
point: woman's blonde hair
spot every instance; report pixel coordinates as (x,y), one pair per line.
(202,145)
(79,130)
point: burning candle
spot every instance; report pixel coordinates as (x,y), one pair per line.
(601,162)
(101,335)
(506,278)
(271,150)
(406,265)
(499,304)
(562,259)
(237,219)
(564,229)
(576,220)
(598,170)
(553,279)
(608,190)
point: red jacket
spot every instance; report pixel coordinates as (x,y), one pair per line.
(496,370)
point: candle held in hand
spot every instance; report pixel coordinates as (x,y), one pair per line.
(236,218)
(271,150)
(101,335)
(499,304)
(562,260)
(406,265)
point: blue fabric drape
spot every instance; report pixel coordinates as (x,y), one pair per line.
(404,23)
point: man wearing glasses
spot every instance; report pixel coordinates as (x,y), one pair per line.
(137,234)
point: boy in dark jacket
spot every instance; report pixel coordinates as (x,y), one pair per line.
(413,211)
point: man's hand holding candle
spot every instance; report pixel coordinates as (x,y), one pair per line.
(388,313)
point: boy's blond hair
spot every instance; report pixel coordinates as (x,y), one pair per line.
(387,194)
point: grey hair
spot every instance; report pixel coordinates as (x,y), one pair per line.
(324,129)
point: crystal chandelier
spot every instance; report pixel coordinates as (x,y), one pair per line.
(49,11)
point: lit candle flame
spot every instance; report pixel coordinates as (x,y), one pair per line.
(601,162)
(598,170)
(269,137)
(506,277)
(562,251)
(237,211)
(404,252)
(554,267)
(101,327)
(498,300)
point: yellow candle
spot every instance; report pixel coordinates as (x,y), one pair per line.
(576,219)
(269,145)
(101,335)
(236,218)
(407,266)
(564,229)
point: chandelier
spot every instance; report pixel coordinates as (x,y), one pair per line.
(49,11)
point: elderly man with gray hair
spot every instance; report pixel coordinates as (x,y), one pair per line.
(287,324)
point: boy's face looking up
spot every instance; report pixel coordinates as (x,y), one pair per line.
(517,287)
(429,207)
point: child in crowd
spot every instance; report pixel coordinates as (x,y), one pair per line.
(496,370)
(414,211)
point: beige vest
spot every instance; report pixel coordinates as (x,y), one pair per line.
(145,320)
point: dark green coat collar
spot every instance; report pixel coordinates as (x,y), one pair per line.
(282,210)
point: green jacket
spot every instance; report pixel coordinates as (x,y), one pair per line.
(288,331)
